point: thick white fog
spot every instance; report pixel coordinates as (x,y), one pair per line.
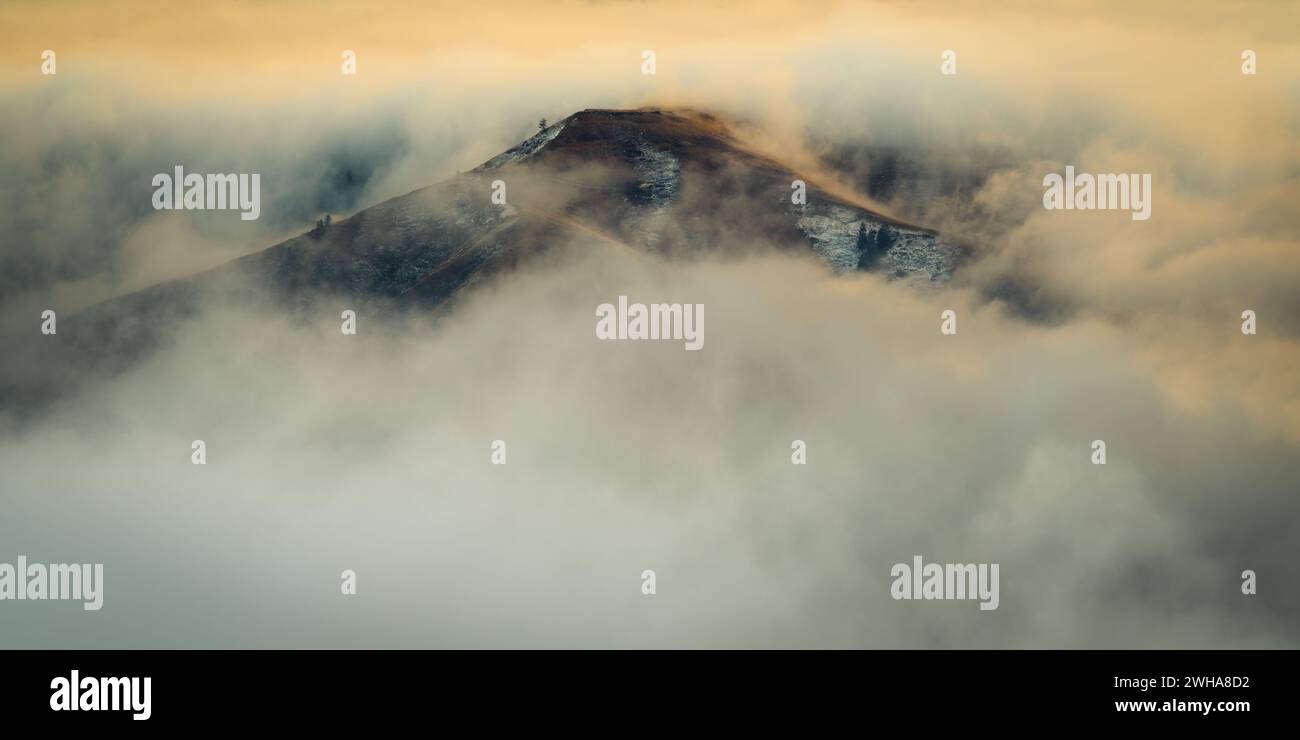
(328,452)
(371,453)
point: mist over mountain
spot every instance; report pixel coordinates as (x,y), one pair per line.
(372,452)
(676,183)
(672,183)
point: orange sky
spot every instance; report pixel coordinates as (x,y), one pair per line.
(241,40)
(1173,66)
(1163,77)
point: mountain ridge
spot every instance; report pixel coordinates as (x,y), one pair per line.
(675,183)
(412,245)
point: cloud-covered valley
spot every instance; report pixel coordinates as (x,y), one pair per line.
(328,452)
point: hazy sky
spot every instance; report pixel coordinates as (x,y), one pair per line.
(373,455)
(442,87)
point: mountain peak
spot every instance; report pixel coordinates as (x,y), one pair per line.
(669,181)
(674,182)
(655,155)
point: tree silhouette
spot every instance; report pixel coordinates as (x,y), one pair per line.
(864,243)
(322,224)
(885,239)
(871,247)
(866,247)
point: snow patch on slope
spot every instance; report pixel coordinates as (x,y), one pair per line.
(526,148)
(834,235)
(660,174)
(404,239)
(660,179)
(833,232)
(916,254)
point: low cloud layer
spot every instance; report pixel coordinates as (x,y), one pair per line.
(328,452)
(371,452)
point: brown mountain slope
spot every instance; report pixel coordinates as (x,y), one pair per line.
(675,183)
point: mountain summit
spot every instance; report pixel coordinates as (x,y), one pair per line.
(676,183)
(671,182)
